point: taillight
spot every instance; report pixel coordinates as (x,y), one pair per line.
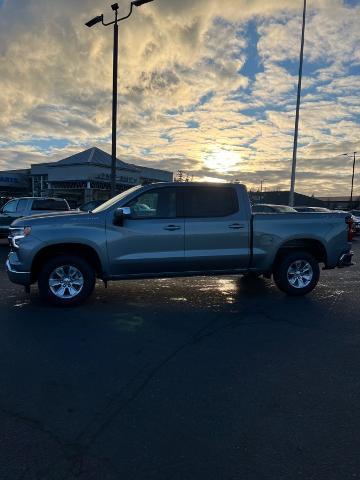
(350,224)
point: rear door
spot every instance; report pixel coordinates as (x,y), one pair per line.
(216,229)
(152,239)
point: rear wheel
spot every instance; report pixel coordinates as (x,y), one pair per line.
(297,273)
(66,280)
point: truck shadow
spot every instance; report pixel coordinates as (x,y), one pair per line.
(231,296)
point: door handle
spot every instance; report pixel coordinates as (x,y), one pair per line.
(236,226)
(172,228)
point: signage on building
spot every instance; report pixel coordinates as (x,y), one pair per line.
(122,179)
(12,181)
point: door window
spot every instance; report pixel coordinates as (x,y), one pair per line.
(10,207)
(204,202)
(159,203)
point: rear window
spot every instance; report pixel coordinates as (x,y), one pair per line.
(50,204)
(210,202)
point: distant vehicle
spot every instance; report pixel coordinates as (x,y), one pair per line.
(4,200)
(174,229)
(26,206)
(312,209)
(356,213)
(90,206)
(268,208)
(143,209)
(356,217)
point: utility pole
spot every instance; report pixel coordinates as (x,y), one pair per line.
(114,108)
(115,22)
(353,174)
(297,118)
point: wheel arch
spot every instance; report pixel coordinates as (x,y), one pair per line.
(310,245)
(84,251)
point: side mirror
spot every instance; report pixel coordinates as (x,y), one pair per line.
(120,214)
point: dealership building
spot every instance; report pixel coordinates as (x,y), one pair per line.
(79,178)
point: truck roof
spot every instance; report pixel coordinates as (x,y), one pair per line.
(195,184)
(37,198)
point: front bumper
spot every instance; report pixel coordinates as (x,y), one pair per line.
(345,259)
(16,276)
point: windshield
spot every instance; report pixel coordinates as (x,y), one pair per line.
(116,199)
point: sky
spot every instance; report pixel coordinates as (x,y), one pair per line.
(206,86)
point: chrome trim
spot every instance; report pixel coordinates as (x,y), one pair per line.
(345,259)
(13,239)
(126,210)
(11,270)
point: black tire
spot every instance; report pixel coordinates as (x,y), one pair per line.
(281,277)
(88,279)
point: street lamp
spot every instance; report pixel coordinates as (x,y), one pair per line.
(296,134)
(91,23)
(353,174)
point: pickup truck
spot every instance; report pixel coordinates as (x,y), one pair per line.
(174,229)
(25,206)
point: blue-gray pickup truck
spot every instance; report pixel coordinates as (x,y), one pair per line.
(174,229)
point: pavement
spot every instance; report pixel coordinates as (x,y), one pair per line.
(182,379)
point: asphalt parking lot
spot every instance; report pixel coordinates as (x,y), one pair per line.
(199,378)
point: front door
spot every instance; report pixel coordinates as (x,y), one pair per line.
(216,229)
(151,240)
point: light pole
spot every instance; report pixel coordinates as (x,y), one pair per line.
(115,22)
(296,134)
(353,174)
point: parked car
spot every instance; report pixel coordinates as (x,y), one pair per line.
(268,208)
(89,206)
(356,216)
(312,209)
(193,229)
(25,206)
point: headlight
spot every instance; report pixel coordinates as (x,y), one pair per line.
(17,233)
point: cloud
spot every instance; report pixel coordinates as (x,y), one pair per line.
(184,63)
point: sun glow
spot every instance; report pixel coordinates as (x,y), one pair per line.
(221,160)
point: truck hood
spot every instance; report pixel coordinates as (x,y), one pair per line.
(58,218)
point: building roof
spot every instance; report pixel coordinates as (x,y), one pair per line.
(338,199)
(94,156)
(282,198)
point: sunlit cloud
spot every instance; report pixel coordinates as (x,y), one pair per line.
(207,87)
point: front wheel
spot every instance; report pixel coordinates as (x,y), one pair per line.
(66,280)
(297,273)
